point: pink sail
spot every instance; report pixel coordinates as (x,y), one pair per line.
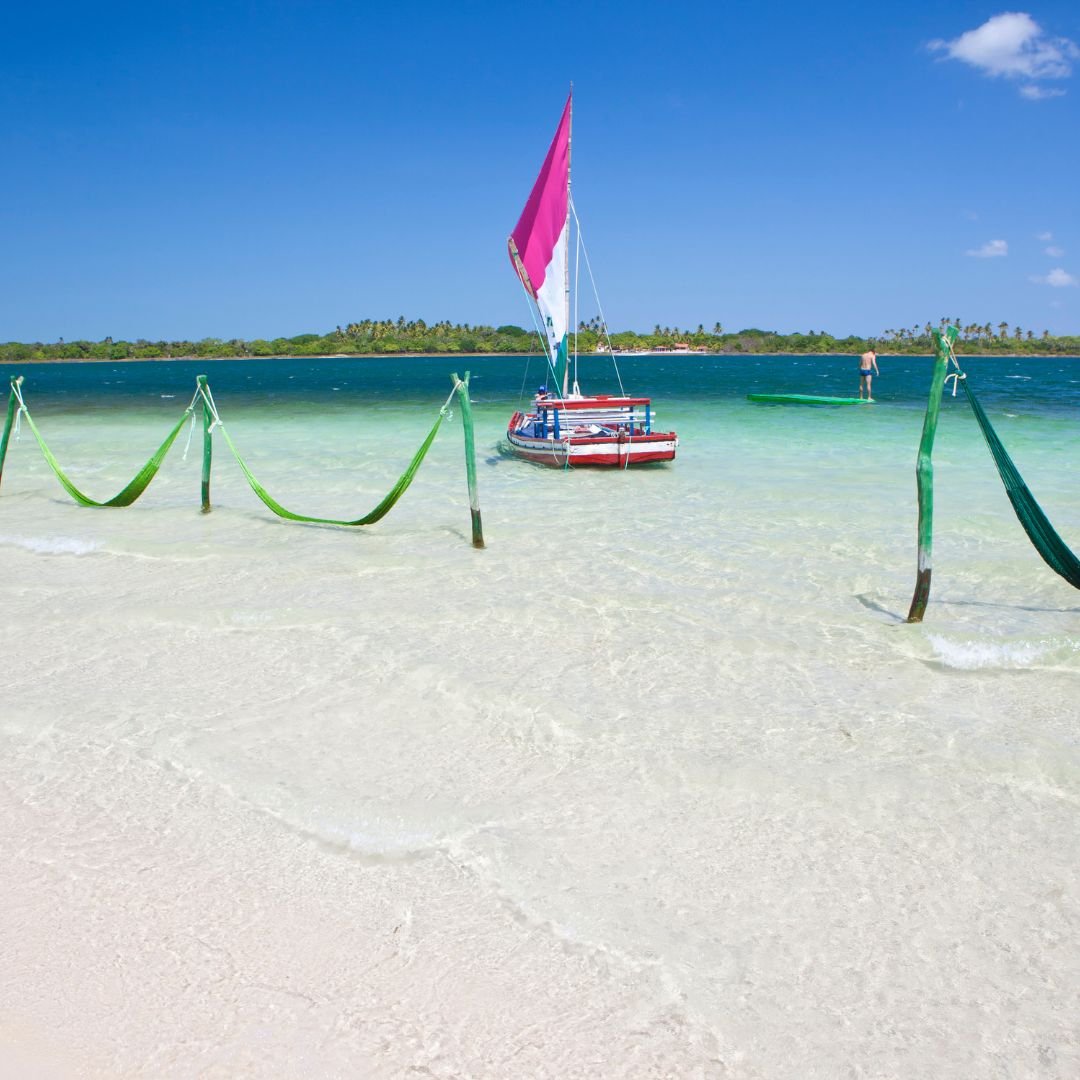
(541,227)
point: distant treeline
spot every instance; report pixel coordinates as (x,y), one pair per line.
(389,336)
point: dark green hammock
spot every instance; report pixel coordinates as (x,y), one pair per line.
(1047,543)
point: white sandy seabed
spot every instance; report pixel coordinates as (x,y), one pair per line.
(657,785)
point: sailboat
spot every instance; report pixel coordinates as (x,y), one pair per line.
(564,427)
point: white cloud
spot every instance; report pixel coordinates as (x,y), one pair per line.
(1014,46)
(1055,252)
(1039,93)
(1057,279)
(990,250)
(1045,237)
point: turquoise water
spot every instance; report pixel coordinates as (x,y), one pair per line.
(1043,387)
(659,783)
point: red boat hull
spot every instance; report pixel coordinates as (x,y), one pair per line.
(619,452)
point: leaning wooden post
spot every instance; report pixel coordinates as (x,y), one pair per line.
(16,380)
(462,387)
(924,473)
(208,444)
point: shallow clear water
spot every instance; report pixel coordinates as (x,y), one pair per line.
(659,783)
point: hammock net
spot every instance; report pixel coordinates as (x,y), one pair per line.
(142,479)
(1054,551)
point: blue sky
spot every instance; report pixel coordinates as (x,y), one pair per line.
(185,170)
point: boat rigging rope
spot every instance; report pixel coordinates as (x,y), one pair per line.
(1053,550)
(543,345)
(577,282)
(596,294)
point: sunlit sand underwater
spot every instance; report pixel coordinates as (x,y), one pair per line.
(659,783)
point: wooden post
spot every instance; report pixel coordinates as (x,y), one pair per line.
(462,386)
(208,445)
(924,473)
(15,381)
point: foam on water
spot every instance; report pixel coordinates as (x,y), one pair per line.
(1001,655)
(53,545)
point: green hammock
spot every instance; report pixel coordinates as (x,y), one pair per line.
(380,511)
(1047,543)
(139,483)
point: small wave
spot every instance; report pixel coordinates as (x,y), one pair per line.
(388,846)
(1000,655)
(52,545)
(1019,376)
(392,843)
(167,396)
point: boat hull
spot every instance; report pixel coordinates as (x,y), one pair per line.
(578,452)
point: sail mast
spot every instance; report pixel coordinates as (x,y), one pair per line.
(566,267)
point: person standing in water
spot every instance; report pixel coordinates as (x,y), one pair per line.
(867,368)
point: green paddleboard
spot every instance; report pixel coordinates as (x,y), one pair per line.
(807,399)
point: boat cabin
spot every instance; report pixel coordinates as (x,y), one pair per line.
(557,418)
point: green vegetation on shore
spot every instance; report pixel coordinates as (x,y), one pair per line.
(389,337)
